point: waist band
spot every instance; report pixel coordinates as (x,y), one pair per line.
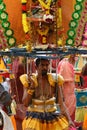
(43,106)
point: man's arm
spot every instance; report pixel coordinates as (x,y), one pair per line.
(27,98)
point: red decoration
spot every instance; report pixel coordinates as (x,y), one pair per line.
(27,36)
(24,8)
(5,74)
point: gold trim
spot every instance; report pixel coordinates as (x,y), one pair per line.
(43,106)
(51,101)
(38,109)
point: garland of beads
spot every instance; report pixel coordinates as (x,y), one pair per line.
(7,37)
(26,25)
(76,25)
(24,16)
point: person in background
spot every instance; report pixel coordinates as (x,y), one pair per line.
(81,110)
(7,120)
(66,69)
(6,84)
(46,111)
(84,76)
(18,68)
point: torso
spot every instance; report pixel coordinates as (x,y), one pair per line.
(44,90)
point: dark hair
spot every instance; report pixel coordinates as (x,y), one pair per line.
(5,97)
(84,70)
(38,60)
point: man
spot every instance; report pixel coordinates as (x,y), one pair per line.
(40,98)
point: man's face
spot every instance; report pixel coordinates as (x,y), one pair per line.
(43,67)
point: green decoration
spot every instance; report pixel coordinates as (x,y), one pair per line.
(76,15)
(73,24)
(71,33)
(79,1)
(1,1)
(70,41)
(3,15)
(11,41)
(78,7)
(5,24)
(9,32)
(2,6)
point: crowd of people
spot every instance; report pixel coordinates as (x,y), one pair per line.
(47,100)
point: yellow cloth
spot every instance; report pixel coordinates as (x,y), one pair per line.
(56,124)
(39,116)
(52,78)
(2,64)
(2,67)
(24,80)
(80,113)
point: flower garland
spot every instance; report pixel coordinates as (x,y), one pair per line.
(24,17)
(77,23)
(6,33)
(46,5)
(25,24)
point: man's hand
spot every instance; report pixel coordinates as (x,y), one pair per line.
(31,82)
